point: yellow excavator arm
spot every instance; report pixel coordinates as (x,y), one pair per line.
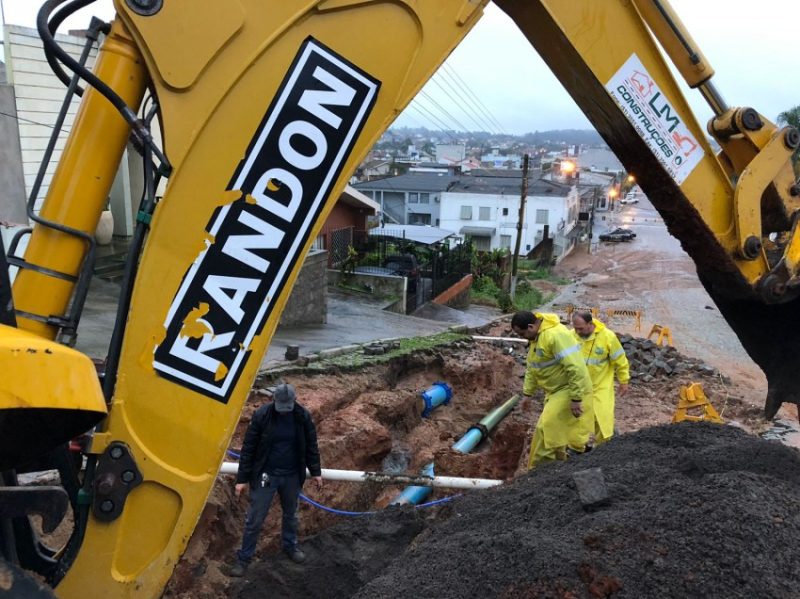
(265,108)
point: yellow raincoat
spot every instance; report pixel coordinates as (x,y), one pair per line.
(604,358)
(556,366)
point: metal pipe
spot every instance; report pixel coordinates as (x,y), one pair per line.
(415,494)
(383,478)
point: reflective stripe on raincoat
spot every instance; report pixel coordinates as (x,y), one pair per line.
(556,365)
(604,358)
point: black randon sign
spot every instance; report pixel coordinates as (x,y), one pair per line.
(287,173)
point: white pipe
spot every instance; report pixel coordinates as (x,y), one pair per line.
(360,476)
(511,339)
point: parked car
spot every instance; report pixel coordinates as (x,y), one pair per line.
(615,236)
(622,231)
(404,265)
(628,200)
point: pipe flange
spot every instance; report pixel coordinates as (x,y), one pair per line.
(146,8)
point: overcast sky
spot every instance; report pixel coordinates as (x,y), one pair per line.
(751,45)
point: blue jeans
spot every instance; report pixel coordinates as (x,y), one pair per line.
(288,489)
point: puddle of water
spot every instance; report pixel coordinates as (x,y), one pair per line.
(785,431)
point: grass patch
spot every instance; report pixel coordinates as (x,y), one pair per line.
(357,359)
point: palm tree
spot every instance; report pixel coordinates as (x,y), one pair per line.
(792,117)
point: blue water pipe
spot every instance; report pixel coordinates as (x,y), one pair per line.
(413,495)
(436,395)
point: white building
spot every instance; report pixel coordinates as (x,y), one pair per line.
(486,211)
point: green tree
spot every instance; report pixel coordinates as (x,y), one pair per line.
(791,117)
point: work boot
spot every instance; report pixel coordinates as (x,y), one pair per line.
(296,555)
(237,570)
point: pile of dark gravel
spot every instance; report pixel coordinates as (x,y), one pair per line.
(695,510)
(649,362)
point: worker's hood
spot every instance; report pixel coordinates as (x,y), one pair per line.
(548,320)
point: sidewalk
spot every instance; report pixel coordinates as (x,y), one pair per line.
(350,320)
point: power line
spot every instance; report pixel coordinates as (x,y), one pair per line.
(434,119)
(470,103)
(460,102)
(477,99)
(444,111)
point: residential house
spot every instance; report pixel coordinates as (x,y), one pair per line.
(350,216)
(600,160)
(373,169)
(503,161)
(486,211)
(411,199)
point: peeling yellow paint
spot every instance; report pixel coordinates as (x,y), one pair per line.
(222,370)
(272,186)
(250,199)
(192,327)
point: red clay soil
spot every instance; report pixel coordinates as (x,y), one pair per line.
(370,420)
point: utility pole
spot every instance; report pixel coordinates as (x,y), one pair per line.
(591,220)
(523,195)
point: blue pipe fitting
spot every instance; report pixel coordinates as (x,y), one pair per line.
(413,495)
(438,394)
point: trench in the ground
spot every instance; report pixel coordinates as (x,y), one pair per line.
(372,420)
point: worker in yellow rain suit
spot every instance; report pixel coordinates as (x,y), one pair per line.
(605,360)
(556,366)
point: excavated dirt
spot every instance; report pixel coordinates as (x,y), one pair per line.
(370,420)
(696,510)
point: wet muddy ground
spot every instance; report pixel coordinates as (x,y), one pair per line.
(370,419)
(694,511)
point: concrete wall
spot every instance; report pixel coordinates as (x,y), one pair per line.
(308,303)
(39,95)
(456,296)
(12,181)
(38,98)
(388,286)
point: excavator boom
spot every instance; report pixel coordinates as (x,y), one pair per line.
(265,108)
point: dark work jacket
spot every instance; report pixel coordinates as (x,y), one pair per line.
(258,442)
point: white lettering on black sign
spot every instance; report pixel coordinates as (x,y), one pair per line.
(287,174)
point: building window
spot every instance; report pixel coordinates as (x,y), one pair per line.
(424,198)
(418,218)
(505,242)
(505,211)
(482,244)
(466,212)
(484,213)
(413,198)
(542,217)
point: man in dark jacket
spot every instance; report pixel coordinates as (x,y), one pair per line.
(280,443)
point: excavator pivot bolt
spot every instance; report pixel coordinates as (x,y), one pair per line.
(792,138)
(128,476)
(107,506)
(116,453)
(750,120)
(752,247)
(145,8)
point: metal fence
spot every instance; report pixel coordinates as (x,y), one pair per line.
(438,267)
